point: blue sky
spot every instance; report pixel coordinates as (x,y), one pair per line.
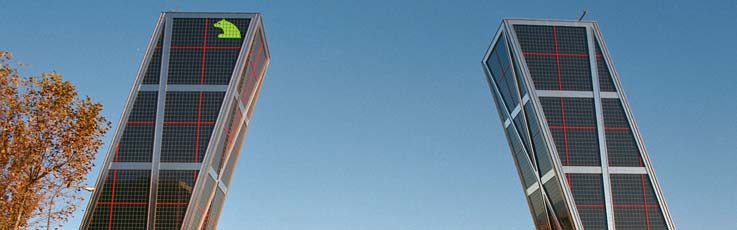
(376,114)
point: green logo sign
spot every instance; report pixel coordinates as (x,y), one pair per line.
(229,29)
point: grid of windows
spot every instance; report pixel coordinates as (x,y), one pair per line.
(136,142)
(557,59)
(620,141)
(153,71)
(572,122)
(202,51)
(255,68)
(230,130)
(528,174)
(144,108)
(230,165)
(588,192)
(635,204)
(189,119)
(519,123)
(555,194)
(520,79)
(539,209)
(123,201)
(557,56)
(606,83)
(543,160)
(175,187)
(501,71)
(198,56)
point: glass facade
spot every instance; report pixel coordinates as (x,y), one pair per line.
(183,117)
(569,128)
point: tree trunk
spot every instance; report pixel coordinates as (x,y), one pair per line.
(17,220)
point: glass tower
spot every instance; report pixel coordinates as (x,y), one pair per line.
(174,151)
(579,155)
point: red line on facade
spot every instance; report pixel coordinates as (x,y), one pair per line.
(173,122)
(199,102)
(504,72)
(573,127)
(644,202)
(553,54)
(562,105)
(586,127)
(189,122)
(616,206)
(636,206)
(122,203)
(205,47)
(202,47)
(557,54)
(253,70)
(117,148)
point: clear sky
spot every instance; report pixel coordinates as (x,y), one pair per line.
(376,115)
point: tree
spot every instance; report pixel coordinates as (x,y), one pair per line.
(48,140)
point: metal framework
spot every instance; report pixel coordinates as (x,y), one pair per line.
(187,112)
(561,103)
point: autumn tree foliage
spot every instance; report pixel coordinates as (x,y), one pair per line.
(48,139)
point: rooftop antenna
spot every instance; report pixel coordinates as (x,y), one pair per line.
(582,15)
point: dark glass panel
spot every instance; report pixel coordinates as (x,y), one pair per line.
(153,70)
(124,197)
(178,143)
(557,56)
(555,195)
(185,66)
(136,143)
(199,56)
(219,66)
(501,69)
(621,145)
(534,38)
(518,152)
(189,120)
(635,203)
(606,84)
(539,210)
(588,192)
(520,124)
(572,123)
(543,160)
(144,107)
(175,187)
(521,83)
(192,106)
